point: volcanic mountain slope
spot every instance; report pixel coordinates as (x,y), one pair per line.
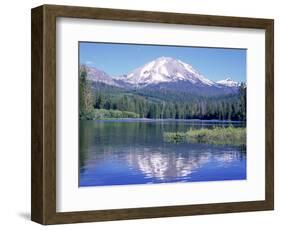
(166,73)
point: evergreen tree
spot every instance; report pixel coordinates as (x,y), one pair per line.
(86,97)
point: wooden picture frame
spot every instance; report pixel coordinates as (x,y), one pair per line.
(43,207)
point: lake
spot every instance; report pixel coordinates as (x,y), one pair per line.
(132,151)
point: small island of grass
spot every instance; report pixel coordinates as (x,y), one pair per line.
(217,136)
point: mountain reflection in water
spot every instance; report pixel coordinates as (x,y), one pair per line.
(125,154)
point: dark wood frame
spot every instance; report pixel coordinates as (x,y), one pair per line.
(43,188)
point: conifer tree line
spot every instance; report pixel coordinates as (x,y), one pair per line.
(98,101)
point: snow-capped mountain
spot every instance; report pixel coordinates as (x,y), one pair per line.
(228,82)
(165,73)
(164,70)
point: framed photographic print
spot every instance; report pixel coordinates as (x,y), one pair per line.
(140,114)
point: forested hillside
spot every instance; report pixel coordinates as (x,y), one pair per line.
(101,101)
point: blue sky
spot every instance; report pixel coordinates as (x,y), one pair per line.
(117,59)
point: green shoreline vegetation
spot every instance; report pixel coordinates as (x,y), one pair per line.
(217,136)
(104,114)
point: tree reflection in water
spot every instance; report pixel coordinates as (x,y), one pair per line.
(134,153)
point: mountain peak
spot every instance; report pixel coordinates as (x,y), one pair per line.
(166,69)
(165,73)
(164,58)
(228,82)
(229,79)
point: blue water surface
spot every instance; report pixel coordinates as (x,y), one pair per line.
(123,152)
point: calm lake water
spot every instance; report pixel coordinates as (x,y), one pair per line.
(122,152)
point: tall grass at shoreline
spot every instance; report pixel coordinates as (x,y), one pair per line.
(218,136)
(104,114)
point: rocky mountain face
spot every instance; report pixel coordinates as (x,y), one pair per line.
(97,75)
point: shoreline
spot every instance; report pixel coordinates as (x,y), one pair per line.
(163,120)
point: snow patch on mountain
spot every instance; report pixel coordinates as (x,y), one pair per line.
(228,82)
